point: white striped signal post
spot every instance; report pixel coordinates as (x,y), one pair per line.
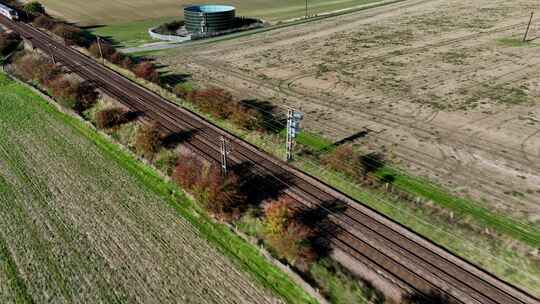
(100,50)
(52,53)
(225,150)
(293,128)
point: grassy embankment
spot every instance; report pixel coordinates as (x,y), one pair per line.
(29,115)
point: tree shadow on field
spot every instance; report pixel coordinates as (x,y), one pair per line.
(433,297)
(351,138)
(172,140)
(317,218)
(372,162)
(133,115)
(156,65)
(172,79)
(344,141)
(92,27)
(272,121)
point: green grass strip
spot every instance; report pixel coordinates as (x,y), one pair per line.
(503,224)
(245,255)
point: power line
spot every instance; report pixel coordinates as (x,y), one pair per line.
(528,28)
(100,49)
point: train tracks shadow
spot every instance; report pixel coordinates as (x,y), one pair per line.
(317,219)
(260,187)
(431,298)
(132,116)
(173,79)
(172,140)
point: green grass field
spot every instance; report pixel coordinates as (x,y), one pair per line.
(84,222)
(127,21)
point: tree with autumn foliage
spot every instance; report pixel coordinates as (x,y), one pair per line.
(147,71)
(188,171)
(221,104)
(31,67)
(107,50)
(111,117)
(44,21)
(87,96)
(127,63)
(286,234)
(64,91)
(8,42)
(215,101)
(219,194)
(345,160)
(116,58)
(148,140)
(72,35)
(244,117)
(278,215)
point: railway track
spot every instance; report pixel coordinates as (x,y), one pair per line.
(414,263)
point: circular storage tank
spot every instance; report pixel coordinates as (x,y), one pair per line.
(209,18)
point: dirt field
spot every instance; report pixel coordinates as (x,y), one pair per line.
(78,228)
(445,88)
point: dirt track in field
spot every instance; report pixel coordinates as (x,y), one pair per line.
(443,87)
(81,229)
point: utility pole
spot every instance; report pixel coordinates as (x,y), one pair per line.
(293,128)
(289,142)
(306,9)
(100,50)
(225,150)
(52,54)
(528,28)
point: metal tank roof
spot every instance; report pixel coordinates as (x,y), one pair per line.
(209,8)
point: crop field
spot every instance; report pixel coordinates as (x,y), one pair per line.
(127,21)
(80,227)
(445,89)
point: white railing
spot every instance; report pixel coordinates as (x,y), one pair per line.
(173,38)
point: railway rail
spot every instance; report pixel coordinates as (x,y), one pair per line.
(413,262)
